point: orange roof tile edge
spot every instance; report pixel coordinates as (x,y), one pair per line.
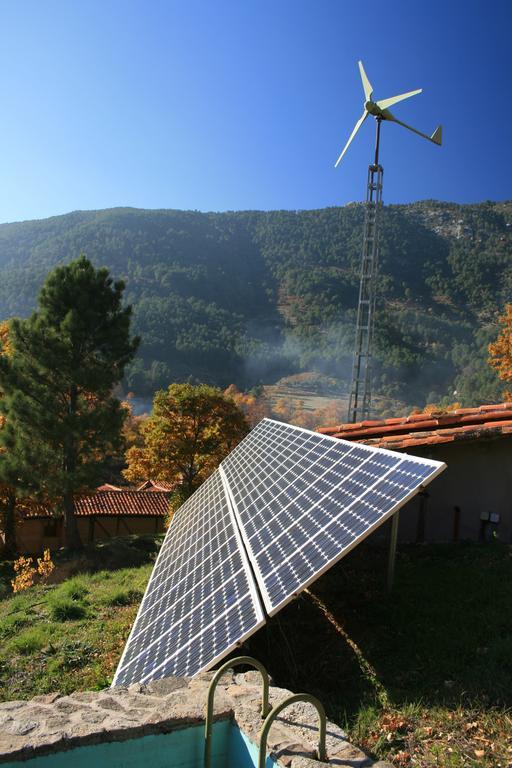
(429,428)
(117,503)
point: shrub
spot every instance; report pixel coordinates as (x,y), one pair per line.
(122,596)
(73,589)
(30,640)
(45,565)
(27,573)
(65,608)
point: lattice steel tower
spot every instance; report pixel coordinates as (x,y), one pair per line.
(359,404)
(360,395)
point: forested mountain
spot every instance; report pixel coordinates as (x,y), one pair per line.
(250,296)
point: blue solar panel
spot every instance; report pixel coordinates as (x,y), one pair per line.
(200,601)
(303,500)
(290,501)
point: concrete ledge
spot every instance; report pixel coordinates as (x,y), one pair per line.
(53,723)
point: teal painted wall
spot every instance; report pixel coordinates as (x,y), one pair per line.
(182,748)
(242,752)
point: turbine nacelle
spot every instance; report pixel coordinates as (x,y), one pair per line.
(380,110)
(372,108)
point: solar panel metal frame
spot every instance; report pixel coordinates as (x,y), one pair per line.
(272,609)
(252,584)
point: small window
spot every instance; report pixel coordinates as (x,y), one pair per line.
(50,527)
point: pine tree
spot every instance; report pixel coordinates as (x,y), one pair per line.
(8,475)
(61,420)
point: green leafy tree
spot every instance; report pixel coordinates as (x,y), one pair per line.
(61,420)
(191,429)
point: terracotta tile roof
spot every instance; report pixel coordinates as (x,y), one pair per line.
(26,508)
(156,485)
(486,421)
(131,503)
(147,485)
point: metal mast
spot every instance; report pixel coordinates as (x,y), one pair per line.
(361,385)
(360,399)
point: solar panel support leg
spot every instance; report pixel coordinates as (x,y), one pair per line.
(392,549)
(265,704)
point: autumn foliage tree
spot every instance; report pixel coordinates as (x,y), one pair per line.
(191,429)
(500,351)
(254,406)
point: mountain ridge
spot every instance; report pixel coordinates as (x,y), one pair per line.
(248,296)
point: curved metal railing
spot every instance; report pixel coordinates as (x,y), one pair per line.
(306,697)
(265,705)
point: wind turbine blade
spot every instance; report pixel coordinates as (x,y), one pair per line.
(385,103)
(367,86)
(356,128)
(435,138)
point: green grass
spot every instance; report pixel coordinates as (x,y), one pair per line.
(74,589)
(122,596)
(436,653)
(29,641)
(422,677)
(66,609)
(70,636)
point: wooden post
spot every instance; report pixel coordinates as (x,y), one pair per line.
(392,549)
(422,514)
(91,528)
(456,523)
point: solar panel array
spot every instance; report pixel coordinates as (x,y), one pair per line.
(303,500)
(201,598)
(290,501)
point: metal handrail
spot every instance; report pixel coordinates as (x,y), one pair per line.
(306,697)
(265,704)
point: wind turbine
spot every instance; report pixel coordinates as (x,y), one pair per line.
(360,390)
(380,111)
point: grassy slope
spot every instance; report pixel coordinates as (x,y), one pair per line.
(70,636)
(423,676)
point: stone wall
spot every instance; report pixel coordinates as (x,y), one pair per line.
(53,723)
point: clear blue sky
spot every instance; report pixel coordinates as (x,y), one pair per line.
(237,104)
